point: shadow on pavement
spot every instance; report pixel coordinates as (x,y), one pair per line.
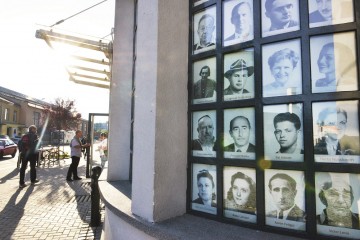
(9,176)
(14,210)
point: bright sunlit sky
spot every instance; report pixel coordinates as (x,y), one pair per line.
(29,66)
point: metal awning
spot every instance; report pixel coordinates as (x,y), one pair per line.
(88,61)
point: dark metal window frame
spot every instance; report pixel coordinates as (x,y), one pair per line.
(309,166)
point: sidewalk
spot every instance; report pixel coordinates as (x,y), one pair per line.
(52,209)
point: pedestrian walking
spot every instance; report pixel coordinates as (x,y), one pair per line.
(29,149)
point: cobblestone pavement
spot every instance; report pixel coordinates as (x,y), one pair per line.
(51,209)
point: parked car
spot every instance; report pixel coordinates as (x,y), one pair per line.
(4,136)
(7,147)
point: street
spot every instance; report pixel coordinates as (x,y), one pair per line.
(51,209)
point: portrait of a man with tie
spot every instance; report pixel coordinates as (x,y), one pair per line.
(240,132)
(283,191)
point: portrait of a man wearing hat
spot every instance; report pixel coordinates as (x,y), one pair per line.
(238,75)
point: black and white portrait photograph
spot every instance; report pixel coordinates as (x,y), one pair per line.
(336,132)
(204,28)
(279,16)
(204,81)
(239,75)
(285,199)
(204,188)
(240,193)
(283,132)
(281,66)
(238,21)
(204,134)
(333,63)
(198,2)
(330,12)
(337,204)
(239,133)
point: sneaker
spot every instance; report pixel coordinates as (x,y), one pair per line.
(36,181)
(77,178)
(21,186)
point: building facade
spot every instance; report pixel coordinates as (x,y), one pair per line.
(196,85)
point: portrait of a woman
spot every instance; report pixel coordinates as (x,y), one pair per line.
(241,196)
(282,64)
(206,189)
(337,63)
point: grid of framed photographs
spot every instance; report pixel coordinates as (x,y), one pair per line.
(274,115)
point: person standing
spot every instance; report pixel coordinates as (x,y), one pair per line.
(76,147)
(29,151)
(103,149)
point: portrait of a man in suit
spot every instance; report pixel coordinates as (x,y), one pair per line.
(283,191)
(205,30)
(240,132)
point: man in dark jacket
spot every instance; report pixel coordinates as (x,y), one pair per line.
(29,151)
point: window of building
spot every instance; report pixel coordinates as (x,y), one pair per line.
(274,115)
(15,117)
(6,112)
(37,118)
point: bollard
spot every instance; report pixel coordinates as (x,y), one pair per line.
(95,197)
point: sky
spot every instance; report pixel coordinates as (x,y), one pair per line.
(29,66)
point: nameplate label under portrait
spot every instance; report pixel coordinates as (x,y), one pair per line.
(240,155)
(238,96)
(338,231)
(295,157)
(240,216)
(197,153)
(337,158)
(203,208)
(285,223)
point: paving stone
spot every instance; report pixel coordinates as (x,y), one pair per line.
(48,210)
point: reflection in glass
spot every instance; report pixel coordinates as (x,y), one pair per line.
(205,28)
(280,16)
(338,198)
(328,12)
(332,124)
(336,63)
(241,19)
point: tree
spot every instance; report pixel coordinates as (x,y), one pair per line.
(61,115)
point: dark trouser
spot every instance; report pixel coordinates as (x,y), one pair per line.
(73,167)
(32,158)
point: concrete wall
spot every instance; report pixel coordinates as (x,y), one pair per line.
(160,122)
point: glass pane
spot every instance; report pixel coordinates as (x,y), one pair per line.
(204,188)
(337,208)
(204,30)
(281,66)
(336,132)
(204,134)
(239,133)
(238,21)
(204,81)
(239,75)
(333,63)
(330,12)
(285,199)
(240,194)
(279,16)
(283,133)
